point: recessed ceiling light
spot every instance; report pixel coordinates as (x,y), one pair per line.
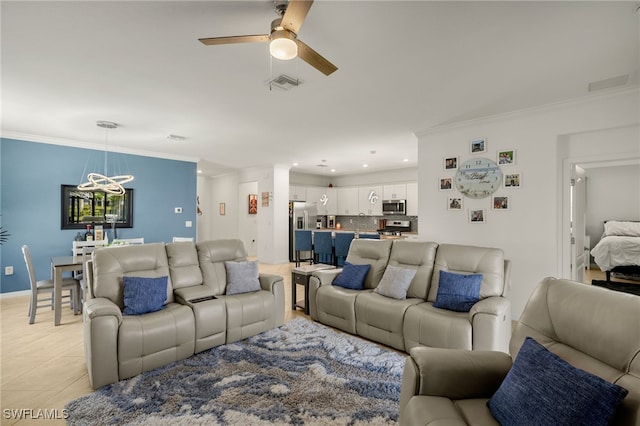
(295,164)
(333,170)
(405,160)
(365,165)
(199,171)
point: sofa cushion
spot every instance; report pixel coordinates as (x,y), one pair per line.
(395,282)
(242,277)
(543,386)
(352,276)
(143,295)
(458,292)
(373,252)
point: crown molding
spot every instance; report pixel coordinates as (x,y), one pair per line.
(532,110)
(98,147)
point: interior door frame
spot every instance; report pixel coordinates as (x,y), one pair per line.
(585,162)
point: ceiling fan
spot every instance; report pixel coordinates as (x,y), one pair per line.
(283,38)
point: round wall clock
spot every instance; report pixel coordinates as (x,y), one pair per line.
(478,178)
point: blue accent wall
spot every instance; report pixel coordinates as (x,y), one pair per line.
(30,178)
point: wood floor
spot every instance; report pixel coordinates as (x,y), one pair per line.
(43,368)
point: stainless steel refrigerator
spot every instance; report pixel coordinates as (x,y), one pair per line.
(302,215)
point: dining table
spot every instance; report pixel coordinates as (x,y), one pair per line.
(59,265)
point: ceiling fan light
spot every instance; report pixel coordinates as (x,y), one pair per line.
(282,46)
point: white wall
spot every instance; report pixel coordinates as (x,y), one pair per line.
(213,191)
(529,233)
(613,193)
(248,223)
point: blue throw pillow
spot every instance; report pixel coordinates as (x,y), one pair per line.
(352,276)
(458,292)
(144,295)
(543,389)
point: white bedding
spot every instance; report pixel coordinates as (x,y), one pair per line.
(615,251)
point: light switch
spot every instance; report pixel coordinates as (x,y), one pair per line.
(8,270)
(188,224)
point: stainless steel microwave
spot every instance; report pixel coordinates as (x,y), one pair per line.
(394,207)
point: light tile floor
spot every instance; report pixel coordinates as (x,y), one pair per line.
(42,367)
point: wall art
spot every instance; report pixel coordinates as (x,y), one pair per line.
(512,180)
(451,163)
(506,158)
(446,184)
(476,215)
(478,145)
(454,203)
(253,203)
(501,202)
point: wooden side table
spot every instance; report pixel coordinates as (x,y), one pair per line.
(300,276)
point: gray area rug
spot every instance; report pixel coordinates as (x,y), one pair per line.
(300,373)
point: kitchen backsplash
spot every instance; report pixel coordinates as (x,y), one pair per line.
(370,223)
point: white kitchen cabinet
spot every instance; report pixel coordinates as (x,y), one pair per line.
(347,201)
(412,199)
(297,193)
(370,200)
(325,199)
(394,192)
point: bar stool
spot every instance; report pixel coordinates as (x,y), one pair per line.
(323,247)
(303,243)
(343,242)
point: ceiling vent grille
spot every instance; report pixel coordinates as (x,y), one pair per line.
(283,82)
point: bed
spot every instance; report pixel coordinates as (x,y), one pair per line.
(619,248)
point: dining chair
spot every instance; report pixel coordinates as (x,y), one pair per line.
(78,249)
(129,241)
(303,242)
(343,242)
(46,287)
(181,239)
(323,247)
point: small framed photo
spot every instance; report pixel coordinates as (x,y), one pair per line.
(446,184)
(506,158)
(512,180)
(451,163)
(476,215)
(454,203)
(253,203)
(478,145)
(500,202)
(222,209)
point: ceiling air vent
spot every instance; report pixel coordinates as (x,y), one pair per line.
(283,82)
(608,83)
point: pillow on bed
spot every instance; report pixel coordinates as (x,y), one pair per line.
(617,228)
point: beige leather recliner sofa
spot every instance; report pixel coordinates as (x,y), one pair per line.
(197,314)
(414,321)
(593,329)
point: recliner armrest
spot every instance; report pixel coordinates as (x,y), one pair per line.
(101,307)
(267,281)
(458,374)
(495,305)
(326,277)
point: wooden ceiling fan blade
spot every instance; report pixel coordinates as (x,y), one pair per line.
(235,39)
(295,14)
(314,59)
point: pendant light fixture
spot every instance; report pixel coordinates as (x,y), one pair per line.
(102,182)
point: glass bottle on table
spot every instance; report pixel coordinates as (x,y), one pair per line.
(88,236)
